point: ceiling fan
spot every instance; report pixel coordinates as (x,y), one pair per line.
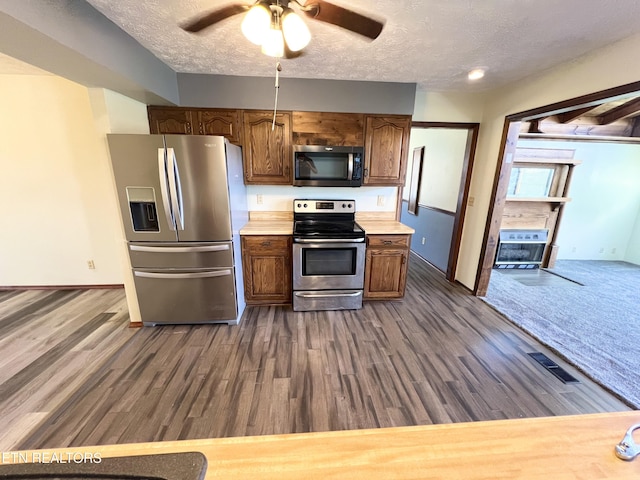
(277,27)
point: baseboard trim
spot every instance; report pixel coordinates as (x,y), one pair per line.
(60,287)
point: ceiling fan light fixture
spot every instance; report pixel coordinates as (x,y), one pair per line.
(273,42)
(476,74)
(256,23)
(295,31)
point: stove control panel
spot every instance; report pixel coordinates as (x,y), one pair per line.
(324,206)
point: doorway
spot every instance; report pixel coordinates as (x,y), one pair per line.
(435,196)
(510,136)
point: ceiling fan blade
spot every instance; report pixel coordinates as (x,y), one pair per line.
(342,17)
(206,20)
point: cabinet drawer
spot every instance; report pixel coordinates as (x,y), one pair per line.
(401,241)
(264,244)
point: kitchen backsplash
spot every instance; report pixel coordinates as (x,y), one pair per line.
(280,198)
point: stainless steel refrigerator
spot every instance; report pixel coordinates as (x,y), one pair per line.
(183,201)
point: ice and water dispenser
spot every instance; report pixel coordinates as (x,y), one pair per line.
(142,207)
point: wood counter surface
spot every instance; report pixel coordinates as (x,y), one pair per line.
(267,227)
(550,448)
(285,227)
(385,227)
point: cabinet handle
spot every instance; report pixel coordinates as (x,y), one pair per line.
(404,259)
(266,244)
(189,127)
(387,242)
(366,172)
(201,128)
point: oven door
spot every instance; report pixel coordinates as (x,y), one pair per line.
(331,265)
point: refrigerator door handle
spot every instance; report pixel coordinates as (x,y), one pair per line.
(175,189)
(172,276)
(201,248)
(162,169)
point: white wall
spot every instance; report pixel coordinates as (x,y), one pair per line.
(279,198)
(598,223)
(633,248)
(56,187)
(449,106)
(605,68)
(441,166)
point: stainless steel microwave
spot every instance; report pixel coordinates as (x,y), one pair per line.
(325,166)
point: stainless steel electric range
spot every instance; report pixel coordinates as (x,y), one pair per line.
(328,255)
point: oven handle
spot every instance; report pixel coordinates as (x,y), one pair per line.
(327,295)
(328,240)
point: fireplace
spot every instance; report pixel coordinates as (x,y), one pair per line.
(521,248)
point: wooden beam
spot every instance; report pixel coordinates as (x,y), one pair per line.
(635,127)
(621,111)
(534,127)
(573,114)
(591,99)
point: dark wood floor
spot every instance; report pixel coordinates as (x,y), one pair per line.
(439,356)
(51,343)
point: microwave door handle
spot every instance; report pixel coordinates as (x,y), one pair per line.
(350,167)
(164,193)
(175,189)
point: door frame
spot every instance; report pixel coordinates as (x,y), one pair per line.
(510,134)
(463,192)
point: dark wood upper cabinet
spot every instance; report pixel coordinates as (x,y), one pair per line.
(267,151)
(386,146)
(220,122)
(196,121)
(322,128)
(171,120)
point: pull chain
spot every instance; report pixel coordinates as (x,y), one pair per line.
(275,106)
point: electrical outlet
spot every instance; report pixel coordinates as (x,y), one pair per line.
(471,201)
(381,200)
(423,240)
(573,249)
(614,250)
(259,199)
(601,250)
(91,265)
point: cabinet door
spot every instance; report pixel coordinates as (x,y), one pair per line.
(386,145)
(266,265)
(385,273)
(220,122)
(267,151)
(171,120)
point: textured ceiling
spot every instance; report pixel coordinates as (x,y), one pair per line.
(431,42)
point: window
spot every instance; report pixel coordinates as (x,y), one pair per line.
(530,182)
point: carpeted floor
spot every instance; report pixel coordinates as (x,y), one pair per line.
(587,311)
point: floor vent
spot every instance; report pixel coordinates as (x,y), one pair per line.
(553,367)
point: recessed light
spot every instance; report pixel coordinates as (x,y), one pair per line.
(476,74)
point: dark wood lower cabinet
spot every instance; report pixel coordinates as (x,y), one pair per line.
(387,261)
(266,266)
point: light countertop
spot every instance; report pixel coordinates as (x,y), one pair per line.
(550,448)
(285,227)
(384,227)
(268,227)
